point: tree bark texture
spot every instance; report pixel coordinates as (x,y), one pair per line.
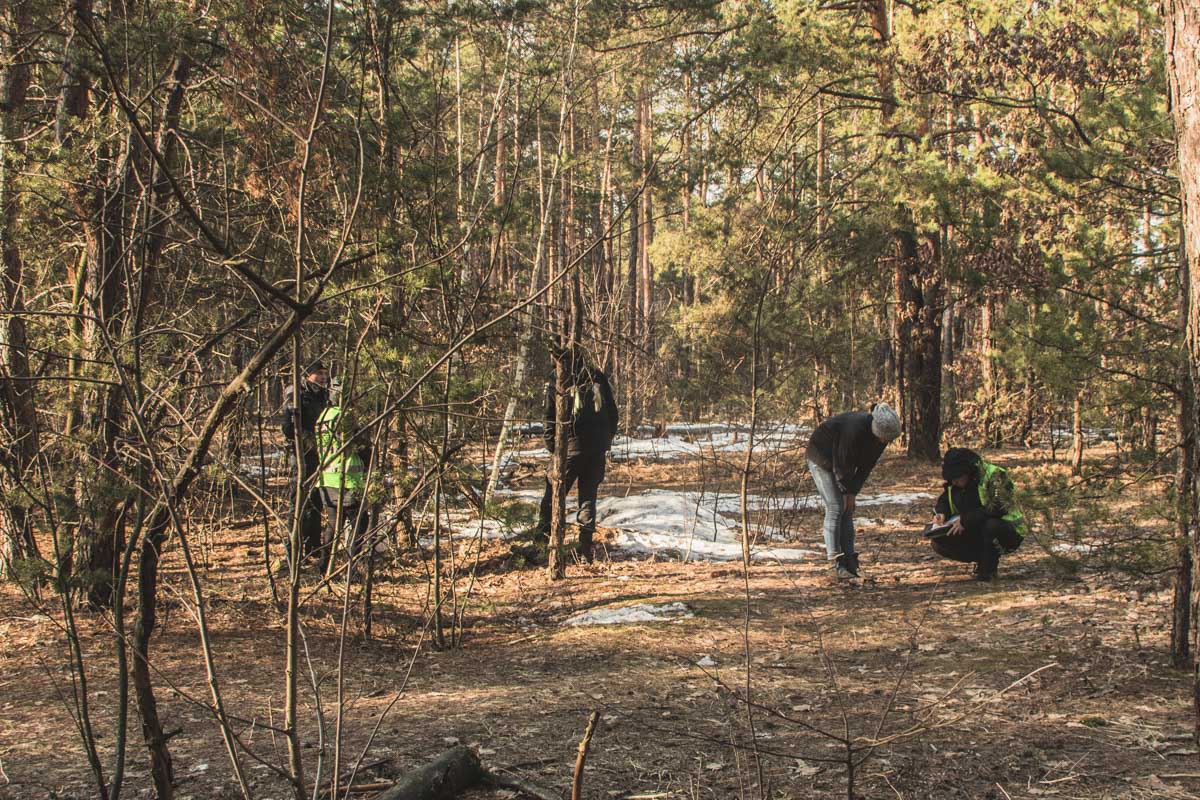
(921,344)
(1182,41)
(444,778)
(19,419)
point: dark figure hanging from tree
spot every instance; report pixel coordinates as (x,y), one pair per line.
(588,432)
(300,419)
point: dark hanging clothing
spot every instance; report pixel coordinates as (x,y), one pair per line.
(313,400)
(589,472)
(845,446)
(589,430)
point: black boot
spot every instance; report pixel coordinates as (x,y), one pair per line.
(985,568)
(585,547)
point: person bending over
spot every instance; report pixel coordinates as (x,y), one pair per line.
(988,524)
(841,454)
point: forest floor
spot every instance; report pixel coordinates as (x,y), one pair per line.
(1052,681)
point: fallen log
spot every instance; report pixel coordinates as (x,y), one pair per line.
(452,772)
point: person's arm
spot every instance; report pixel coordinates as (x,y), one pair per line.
(842,459)
(863,456)
(847,472)
(941,509)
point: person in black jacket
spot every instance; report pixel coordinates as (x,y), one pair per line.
(588,433)
(841,454)
(301,419)
(980,495)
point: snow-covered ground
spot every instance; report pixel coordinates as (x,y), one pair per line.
(659,521)
(687,525)
(640,612)
(693,441)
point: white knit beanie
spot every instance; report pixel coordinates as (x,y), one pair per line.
(884,423)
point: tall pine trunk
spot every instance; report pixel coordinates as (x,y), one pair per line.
(19,420)
(1182,40)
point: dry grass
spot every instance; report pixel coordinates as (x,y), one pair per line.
(1103,717)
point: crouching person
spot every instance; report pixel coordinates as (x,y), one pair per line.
(989,523)
(342,481)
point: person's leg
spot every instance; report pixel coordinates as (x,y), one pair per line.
(310,523)
(975,545)
(997,537)
(964,547)
(846,542)
(590,469)
(332,499)
(543,520)
(310,510)
(832,499)
(357,524)
(1004,534)
(544,510)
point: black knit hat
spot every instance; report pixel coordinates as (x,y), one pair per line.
(316,366)
(959,461)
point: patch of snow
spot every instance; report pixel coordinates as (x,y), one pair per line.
(463,524)
(661,520)
(732,503)
(893,498)
(707,661)
(274,462)
(1064,547)
(520,494)
(622,615)
(528,429)
(701,550)
(684,440)
(697,526)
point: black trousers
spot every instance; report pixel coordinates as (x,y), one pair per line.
(310,513)
(588,470)
(343,509)
(981,544)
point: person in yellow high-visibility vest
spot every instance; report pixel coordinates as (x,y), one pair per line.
(343,475)
(979,497)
